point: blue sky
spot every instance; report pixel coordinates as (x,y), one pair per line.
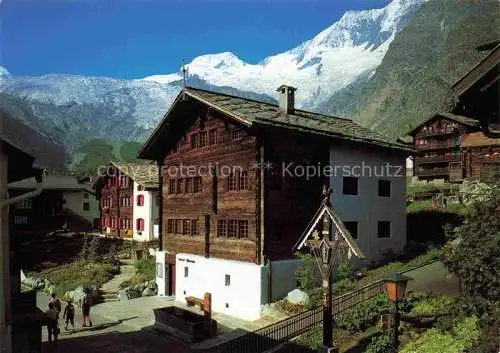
(137,38)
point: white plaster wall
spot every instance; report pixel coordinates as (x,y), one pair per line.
(155,210)
(75,200)
(243,295)
(367,208)
(145,212)
(161,278)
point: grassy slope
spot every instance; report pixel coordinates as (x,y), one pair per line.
(423,61)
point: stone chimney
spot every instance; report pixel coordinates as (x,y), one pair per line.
(287,98)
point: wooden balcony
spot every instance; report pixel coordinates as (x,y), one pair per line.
(442,132)
(432,171)
(438,159)
(439,145)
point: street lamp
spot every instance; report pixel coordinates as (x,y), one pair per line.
(328,240)
(395,285)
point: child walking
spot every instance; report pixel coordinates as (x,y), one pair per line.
(69,315)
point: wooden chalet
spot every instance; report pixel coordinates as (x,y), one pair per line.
(224,186)
(481,156)
(123,188)
(438,141)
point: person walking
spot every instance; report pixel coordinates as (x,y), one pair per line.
(52,316)
(69,315)
(56,301)
(86,304)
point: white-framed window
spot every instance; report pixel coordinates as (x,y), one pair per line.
(20,220)
(24,204)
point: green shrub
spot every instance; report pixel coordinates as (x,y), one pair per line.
(463,336)
(380,343)
(146,267)
(93,252)
(305,273)
(438,304)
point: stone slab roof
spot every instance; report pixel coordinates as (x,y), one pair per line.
(52,182)
(145,174)
(256,112)
(479,139)
(453,117)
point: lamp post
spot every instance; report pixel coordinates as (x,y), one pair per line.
(328,240)
(395,285)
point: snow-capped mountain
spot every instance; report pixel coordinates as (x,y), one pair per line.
(354,45)
(80,107)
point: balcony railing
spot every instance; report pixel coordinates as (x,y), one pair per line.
(432,171)
(438,158)
(446,131)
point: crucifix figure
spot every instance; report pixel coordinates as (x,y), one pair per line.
(184,73)
(328,244)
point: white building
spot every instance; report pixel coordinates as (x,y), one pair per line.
(148,210)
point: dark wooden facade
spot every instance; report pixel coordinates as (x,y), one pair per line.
(116,200)
(239,211)
(438,141)
(481,157)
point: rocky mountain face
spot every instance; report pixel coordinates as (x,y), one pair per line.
(414,80)
(75,109)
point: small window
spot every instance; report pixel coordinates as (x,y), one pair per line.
(350,186)
(86,206)
(195,227)
(178,226)
(140,224)
(203,138)
(85,195)
(170,226)
(242,229)
(244,180)
(140,187)
(384,188)
(113,222)
(180,186)
(197,184)
(233,229)
(188,187)
(171,186)
(352,227)
(236,135)
(384,229)
(140,200)
(20,220)
(186,227)
(186,271)
(221,228)
(227,280)
(194,141)
(212,137)
(231,182)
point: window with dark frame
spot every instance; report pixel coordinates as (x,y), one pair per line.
(189,185)
(383,229)
(203,139)
(233,228)
(227,280)
(243,180)
(86,206)
(85,195)
(221,228)
(180,186)
(140,187)
(186,227)
(352,227)
(170,226)
(384,188)
(197,184)
(212,137)
(195,228)
(243,229)
(231,182)
(194,141)
(171,186)
(178,226)
(236,135)
(350,186)
(186,271)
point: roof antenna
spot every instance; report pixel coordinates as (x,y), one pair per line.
(184,73)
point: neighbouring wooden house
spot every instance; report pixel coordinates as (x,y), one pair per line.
(463,144)
(20,319)
(65,203)
(438,142)
(240,180)
(129,201)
